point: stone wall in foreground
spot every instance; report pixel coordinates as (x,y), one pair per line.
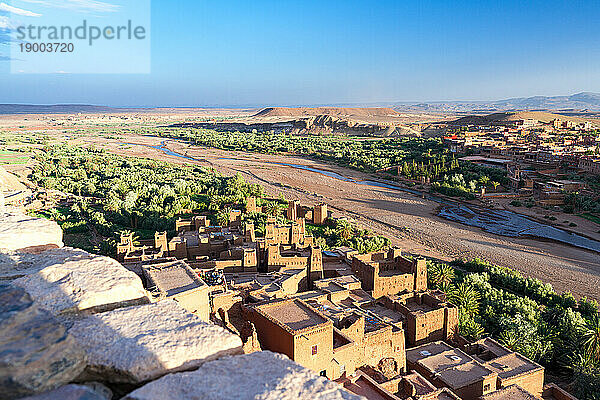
(80,326)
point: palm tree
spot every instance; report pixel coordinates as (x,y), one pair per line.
(135,240)
(344,230)
(469,328)
(510,339)
(223,216)
(440,275)
(466,298)
(591,337)
(272,208)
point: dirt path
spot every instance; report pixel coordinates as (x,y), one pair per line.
(409,220)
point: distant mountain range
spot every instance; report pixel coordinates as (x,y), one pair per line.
(54,109)
(577,102)
(585,101)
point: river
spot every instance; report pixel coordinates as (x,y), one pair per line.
(499,222)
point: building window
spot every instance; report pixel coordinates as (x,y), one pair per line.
(342,369)
(323,373)
(487,387)
(314,350)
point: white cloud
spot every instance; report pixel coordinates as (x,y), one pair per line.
(18,11)
(84,6)
(4,23)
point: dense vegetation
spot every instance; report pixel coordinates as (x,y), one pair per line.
(528,316)
(408,157)
(114,194)
(342,232)
(367,155)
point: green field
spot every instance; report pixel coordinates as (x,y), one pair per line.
(12,157)
(591,217)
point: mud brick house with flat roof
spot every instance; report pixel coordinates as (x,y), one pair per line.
(379,341)
(176,280)
(310,258)
(444,365)
(512,392)
(427,316)
(411,386)
(317,214)
(389,273)
(293,233)
(512,368)
(294,328)
(363,385)
(192,224)
(206,242)
(469,372)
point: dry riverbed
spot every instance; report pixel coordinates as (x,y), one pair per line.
(409,220)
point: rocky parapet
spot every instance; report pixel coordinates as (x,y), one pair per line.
(21,232)
(36,353)
(263,375)
(68,281)
(140,343)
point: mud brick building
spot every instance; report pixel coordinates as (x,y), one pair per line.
(427,316)
(294,328)
(128,251)
(389,273)
(290,234)
(317,214)
(478,369)
(411,386)
(512,368)
(176,280)
(444,365)
(310,258)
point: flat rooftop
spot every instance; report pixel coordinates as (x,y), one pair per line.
(487,349)
(511,365)
(512,392)
(422,386)
(367,387)
(464,374)
(387,315)
(418,353)
(173,278)
(447,359)
(293,314)
(413,306)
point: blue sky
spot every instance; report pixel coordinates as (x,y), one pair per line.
(322,52)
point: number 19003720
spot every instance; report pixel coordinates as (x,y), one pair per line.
(47,47)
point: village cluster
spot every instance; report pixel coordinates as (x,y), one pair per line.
(538,157)
(366,321)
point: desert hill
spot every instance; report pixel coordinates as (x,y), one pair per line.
(330,111)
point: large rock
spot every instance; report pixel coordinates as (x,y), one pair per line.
(263,375)
(36,353)
(75,392)
(16,264)
(21,232)
(68,281)
(140,343)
